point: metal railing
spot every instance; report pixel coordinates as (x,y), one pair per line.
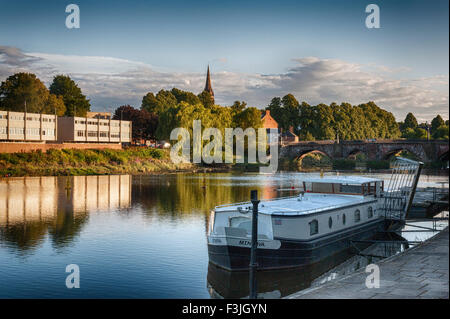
(398,197)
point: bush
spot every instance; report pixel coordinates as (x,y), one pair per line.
(344,164)
(378,164)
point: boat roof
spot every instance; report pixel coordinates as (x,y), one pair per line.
(311,203)
(358,180)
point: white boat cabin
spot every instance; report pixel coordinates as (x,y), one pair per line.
(325,206)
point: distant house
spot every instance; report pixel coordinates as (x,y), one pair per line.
(289,136)
(268,123)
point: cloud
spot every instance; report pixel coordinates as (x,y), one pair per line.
(110,82)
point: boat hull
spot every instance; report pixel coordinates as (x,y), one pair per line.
(293,253)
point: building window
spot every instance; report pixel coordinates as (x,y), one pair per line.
(92,134)
(103,134)
(3,130)
(330,222)
(357,216)
(16,131)
(343,219)
(33,131)
(370,212)
(313,227)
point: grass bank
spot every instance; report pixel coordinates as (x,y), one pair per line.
(89,162)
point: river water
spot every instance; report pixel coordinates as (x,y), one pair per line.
(139,236)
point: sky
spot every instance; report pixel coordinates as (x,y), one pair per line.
(321,51)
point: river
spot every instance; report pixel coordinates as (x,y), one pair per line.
(133,236)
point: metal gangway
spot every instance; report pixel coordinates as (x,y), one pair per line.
(399,194)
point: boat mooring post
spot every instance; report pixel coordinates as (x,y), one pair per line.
(253,263)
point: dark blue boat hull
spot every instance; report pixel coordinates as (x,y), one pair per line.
(294,253)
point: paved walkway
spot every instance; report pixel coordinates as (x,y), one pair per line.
(419,272)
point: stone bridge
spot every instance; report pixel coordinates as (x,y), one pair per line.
(426,151)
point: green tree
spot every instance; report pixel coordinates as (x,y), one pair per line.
(249,117)
(144,124)
(441,133)
(410,121)
(417,133)
(206,99)
(185,96)
(238,106)
(157,104)
(436,123)
(74,100)
(26,90)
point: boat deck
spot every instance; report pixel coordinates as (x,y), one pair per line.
(311,203)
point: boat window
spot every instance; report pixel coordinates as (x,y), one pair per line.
(330,222)
(313,227)
(357,216)
(370,212)
(350,189)
(343,219)
(242,222)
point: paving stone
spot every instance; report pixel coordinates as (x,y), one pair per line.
(421,272)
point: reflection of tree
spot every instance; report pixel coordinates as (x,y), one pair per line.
(181,195)
(28,235)
(66,228)
(24,236)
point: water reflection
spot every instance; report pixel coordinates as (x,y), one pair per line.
(281,283)
(134,236)
(32,206)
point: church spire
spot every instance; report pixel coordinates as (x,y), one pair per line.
(208,86)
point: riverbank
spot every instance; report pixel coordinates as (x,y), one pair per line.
(417,273)
(56,162)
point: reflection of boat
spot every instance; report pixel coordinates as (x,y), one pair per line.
(280,283)
(319,223)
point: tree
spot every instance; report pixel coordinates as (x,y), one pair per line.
(249,117)
(238,106)
(185,96)
(436,123)
(206,99)
(74,100)
(54,104)
(25,90)
(159,103)
(410,121)
(441,133)
(415,134)
(144,124)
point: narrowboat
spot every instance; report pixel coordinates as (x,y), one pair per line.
(326,218)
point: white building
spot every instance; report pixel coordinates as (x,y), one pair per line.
(21,126)
(84,129)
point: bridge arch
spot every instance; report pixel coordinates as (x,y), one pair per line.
(354,152)
(444,156)
(312,151)
(388,154)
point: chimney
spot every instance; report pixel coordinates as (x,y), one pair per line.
(291,129)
